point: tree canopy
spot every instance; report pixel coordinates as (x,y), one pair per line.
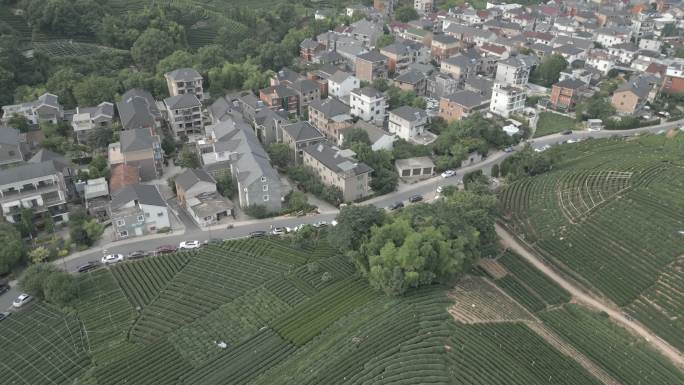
(548,72)
(13,250)
(406,13)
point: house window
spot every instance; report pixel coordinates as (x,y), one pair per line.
(11,153)
(160,214)
(141,218)
(123,233)
(120,222)
(266,198)
(265,187)
(263,179)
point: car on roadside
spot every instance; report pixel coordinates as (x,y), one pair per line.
(87,267)
(257,234)
(22,300)
(4,288)
(213,241)
(448,173)
(509,149)
(279,231)
(333,223)
(189,245)
(165,249)
(4,315)
(415,198)
(396,206)
(112,258)
(320,224)
(138,254)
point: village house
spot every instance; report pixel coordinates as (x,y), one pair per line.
(185,81)
(300,135)
(334,168)
(138,210)
(197,193)
(461,104)
(86,119)
(407,122)
(506,100)
(631,96)
(444,46)
(566,93)
(137,109)
(368,104)
(331,117)
(418,168)
(139,148)
(370,66)
(280,97)
(460,67)
(411,80)
(341,84)
(11,148)
(45,109)
(184,113)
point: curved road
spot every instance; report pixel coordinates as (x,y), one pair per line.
(581,296)
(425,188)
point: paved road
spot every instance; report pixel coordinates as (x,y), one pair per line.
(425,188)
(581,296)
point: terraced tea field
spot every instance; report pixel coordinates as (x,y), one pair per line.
(610,215)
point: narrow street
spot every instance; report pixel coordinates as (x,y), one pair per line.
(582,297)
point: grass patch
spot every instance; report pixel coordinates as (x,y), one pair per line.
(552,123)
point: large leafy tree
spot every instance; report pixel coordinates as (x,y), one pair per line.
(406,13)
(548,72)
(354,224)
(152,46)
(12,251)
(94,90)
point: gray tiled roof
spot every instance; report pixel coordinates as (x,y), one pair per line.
(444,39)
(27,171)
(468,99)
(571,83)
(190,177)
(308,43)
(372,56)
(333,160)
(135,140)
(302,131)
(137,109)
(640,86)
(340,76)
(409,113)
(188,100)
(44,155)
(9,135)
(481,85)
(305,85)
(368,91)
(143,193)
(461,61)
(330,107)
(184,74)
(410,77)
(104,109)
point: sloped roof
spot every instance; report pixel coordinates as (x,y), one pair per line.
(330,107)
(188,100)
(9,135)
(44,155)
(372,56)
(135,140)
(123,175)
(143,193)
(409,113)
(137,109)
(467,99)
(184,74)
(335,161)
(410,77)
(368,91)
(191,177)
(27,171)
(570,83)
(302,131)
(340,76)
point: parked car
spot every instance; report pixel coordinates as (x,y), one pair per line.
(440,189)
(138,254)
(189,245)
(278,231)
(165,249)
(257,234)
(320,224)
(112,258)
(4,315)
(448,173)
(22,300)
(333,223)
(415,198)
(213,241)
(396,205)
(87,267)
(509,149)
(4,288)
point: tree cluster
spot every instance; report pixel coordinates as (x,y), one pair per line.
(13,251)
(83,230)
(527,162)
(46,282)
(307,180)
(548,72)
(422,245)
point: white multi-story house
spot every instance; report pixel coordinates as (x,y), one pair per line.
(185,81)
(601,60)
(368,104)
(506,100)
(39,186)
(184,113)
(424,6)
(513,71)
(45,109)
(407,122)
(611,36)
(137,210)
(342,83)
(87,119)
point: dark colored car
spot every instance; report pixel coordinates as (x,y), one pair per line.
(87,267)
(165,249)
(4,315)
(257,234)
(566,132)
(415,198)
(138,254)
(4,288)
(396,205)
(213,241)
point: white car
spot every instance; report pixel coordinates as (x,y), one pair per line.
(279,231)
(333,223)
(448,173)
(112,258)
(440,189)
(22,300)
(189,245)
